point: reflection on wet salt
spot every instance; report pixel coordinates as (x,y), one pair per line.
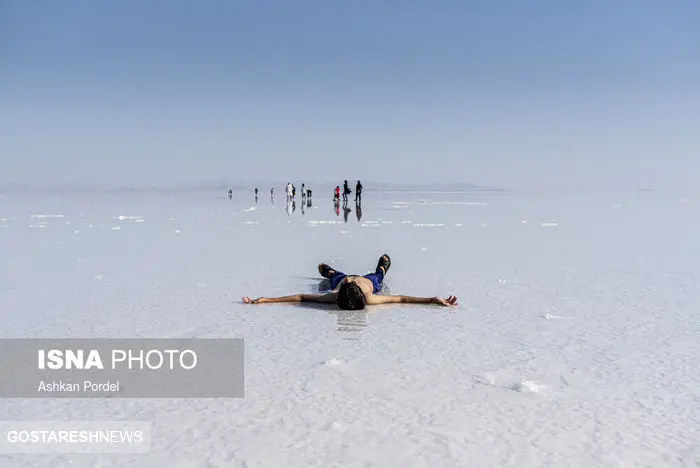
(351,323)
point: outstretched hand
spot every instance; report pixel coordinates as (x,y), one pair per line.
(450,301)
(248,300)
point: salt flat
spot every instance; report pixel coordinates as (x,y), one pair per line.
(576,342)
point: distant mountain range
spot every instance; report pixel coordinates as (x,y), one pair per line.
(436,187)
(236,186)
(264,186)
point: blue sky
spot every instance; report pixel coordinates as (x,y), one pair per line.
(537,94)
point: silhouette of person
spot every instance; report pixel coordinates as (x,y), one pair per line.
(358,191)
(230,194)
(346,191)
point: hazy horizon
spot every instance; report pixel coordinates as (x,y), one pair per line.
(238,185)
(536,96)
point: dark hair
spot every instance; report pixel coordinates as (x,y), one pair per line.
(351,297)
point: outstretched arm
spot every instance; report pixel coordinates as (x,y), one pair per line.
(386,299)
(330,297)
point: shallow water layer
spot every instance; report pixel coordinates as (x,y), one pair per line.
(575,343)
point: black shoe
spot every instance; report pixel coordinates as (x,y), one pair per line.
(384,263)
(325,270)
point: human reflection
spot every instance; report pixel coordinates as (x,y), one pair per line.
(303,205)
(346,211)
(289,207)
(358,211)
(350,323)
(336,203)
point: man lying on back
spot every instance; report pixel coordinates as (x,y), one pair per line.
(354,292)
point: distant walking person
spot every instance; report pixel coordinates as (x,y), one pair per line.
(303,191)
(230,194)
(289,191)
(336,195)
(358,192)
(256,193)
(346,191)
